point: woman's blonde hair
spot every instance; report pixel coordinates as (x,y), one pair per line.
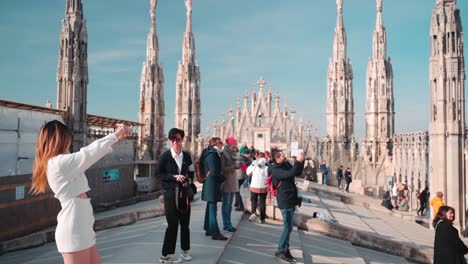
(54,138)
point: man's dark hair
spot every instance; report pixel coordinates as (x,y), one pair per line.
(174,131)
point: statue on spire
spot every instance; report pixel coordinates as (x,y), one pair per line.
(153,5)
(188,5)
(339,4)
(379,6)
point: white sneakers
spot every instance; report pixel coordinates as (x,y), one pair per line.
(185,255)
(169,259)
(252,217)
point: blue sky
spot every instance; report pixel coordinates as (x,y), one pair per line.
(288,42)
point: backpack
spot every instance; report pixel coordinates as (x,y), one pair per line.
(272,190)
(200,171)
(419,195)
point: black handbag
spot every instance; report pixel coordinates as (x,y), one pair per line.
(191,191)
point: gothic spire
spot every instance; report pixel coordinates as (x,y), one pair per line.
(72,72)
(152,45)
(188,52)
(74,7)
(339,41)
(188,107)
(380,36)
(151,96)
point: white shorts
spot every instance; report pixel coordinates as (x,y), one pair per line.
(74,230)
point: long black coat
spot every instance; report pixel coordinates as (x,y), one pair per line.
(211,191)
(167,168)
(448,247)
(287,192)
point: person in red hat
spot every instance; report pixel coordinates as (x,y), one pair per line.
(229,166)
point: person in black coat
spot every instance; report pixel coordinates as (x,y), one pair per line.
(211,192)
(339,176)
(348,178)
(448,247)
(175,172)
(423,197)
(283,174)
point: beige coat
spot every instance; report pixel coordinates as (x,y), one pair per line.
(228,164)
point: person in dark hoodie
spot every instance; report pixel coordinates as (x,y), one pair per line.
(211,192)
(283,174)
(448,247)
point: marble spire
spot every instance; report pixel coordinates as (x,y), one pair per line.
(380,112)
(151,112)
(72,72)
(188,108)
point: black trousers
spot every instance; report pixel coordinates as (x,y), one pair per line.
(339,183)
(422,207)
(238,202)
(347,185)
(174,217)
(261,203)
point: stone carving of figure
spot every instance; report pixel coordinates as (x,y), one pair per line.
(153,5)
(379,5)
(339,4)
(188,5)
(384,127)
(146,125)
(341,126)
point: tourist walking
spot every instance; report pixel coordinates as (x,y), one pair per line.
(422,196)
(63,172)
(324,170)
(339,176)
(230,186)
(287,197)
(258,171)
(348,178)
(175,171)
(211,192)
(437,202)
(448,247)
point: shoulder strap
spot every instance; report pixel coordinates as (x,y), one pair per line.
(435,228)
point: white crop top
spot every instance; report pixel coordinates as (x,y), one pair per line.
(65,172)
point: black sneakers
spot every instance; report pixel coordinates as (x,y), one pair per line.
(281,256)
(285,256)
(287,253)
(218,237)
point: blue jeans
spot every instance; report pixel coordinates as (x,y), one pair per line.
(283,243)
(324,178)
(211,224)
(226,209)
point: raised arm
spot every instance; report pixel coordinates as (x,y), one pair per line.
(283,174)
(90,154)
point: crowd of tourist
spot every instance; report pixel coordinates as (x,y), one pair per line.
(225,169)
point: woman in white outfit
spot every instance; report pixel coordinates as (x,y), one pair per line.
(258,170)
(63,172)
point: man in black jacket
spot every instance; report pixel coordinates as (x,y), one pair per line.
(283,174)
(175,171)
